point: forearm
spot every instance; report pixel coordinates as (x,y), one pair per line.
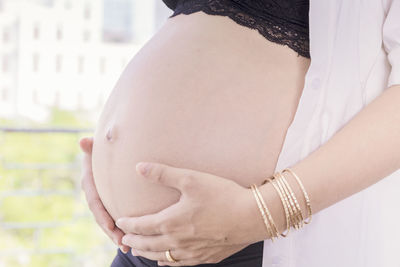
(360,154)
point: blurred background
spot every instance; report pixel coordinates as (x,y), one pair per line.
(59,60)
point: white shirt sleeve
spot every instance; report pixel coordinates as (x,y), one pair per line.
(391,40)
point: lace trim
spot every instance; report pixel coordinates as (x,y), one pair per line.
(293,33)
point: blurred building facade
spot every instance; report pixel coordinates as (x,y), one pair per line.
(68,53)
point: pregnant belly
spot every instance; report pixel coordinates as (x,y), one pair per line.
(204,93)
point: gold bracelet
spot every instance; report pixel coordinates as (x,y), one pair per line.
(268,213)
(308,202)
(267,225)
(288,224)
(293,212)
(299,213)
(292,207)
(293,200)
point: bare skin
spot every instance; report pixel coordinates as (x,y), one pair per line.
(101,216)
(204,93)
(328,174)
(327,167)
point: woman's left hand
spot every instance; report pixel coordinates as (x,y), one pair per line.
(212,220)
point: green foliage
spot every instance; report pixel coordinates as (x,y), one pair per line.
(44,218)
(34,149)
(37,208)
(64,118)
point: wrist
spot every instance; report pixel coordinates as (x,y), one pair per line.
(273,197)
(251,218)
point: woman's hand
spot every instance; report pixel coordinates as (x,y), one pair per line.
(213,219)
(92,197)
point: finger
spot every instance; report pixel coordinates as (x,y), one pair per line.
(105,221)
(88,184)
(159,223)
(87,172)
(178,178)
(154,243)
(86,144)
(179,255)
(119,234)
(124,249)
(151,255)
(102,217)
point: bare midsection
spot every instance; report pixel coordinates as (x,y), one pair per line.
(204,94)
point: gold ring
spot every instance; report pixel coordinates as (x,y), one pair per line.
(169,256)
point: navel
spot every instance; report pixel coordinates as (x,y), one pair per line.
(111,133)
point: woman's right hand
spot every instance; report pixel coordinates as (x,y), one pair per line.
(101,215)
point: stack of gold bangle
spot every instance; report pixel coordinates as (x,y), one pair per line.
(293,213)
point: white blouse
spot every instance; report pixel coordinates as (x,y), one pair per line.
(355,55)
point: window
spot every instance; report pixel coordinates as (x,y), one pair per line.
(59,33)
(4,94)
(81,61)
(35,62)
(86,36)
(67,4)
(48,3)
(6,35)
(36,32)
(35,98)
(87,12)
(5,66)
(58,63)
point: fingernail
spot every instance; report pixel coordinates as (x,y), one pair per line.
(119,222)
(123,240)
(143,167)
(123,249)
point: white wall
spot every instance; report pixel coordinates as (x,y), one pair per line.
(54,55)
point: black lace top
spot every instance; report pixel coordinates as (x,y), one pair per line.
(281,21)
